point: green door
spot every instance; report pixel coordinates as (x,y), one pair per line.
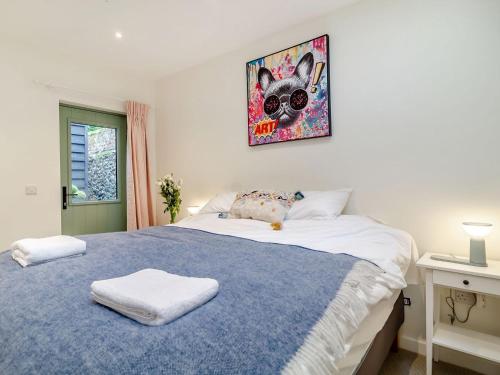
(93,162)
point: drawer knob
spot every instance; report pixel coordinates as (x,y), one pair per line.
(466,282)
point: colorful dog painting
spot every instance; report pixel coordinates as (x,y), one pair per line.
(289,94)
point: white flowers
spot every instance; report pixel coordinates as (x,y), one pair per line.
(168,182)
(170,190)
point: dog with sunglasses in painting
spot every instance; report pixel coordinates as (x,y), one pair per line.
(286,98)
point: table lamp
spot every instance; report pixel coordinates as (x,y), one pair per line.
(193,210)
(477,252)
(477,233)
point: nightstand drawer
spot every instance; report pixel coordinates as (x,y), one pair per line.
(467,282)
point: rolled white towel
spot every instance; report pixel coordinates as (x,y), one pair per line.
(31,251)
(154,297)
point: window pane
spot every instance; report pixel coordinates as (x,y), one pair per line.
(93,163)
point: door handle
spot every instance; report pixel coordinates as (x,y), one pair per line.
(65,196)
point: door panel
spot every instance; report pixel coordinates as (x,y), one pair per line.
(93,162)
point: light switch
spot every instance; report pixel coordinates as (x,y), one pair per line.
(31,190)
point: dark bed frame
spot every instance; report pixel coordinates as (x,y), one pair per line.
(385,341)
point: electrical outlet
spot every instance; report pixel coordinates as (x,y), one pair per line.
(482,297)
(464,297)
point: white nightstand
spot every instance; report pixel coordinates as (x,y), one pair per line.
(484,280)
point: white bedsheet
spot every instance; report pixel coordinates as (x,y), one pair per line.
(391,249)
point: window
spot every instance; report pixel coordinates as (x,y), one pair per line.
(93,163)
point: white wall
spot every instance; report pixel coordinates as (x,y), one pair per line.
(29,124)
(416,122)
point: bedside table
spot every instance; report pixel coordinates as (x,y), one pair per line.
(483,280)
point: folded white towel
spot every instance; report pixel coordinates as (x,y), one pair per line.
(31,251)
(154,297)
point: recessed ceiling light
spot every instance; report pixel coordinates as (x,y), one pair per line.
(118,35)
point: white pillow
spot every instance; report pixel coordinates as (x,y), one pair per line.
(222,202)
(319,205)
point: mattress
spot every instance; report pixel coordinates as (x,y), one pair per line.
(360,343)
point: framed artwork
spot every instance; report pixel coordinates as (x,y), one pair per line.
(289,94)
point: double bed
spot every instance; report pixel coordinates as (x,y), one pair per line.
(318,297)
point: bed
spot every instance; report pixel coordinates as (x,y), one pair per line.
(316,297)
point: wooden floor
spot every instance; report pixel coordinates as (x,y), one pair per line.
(404,362)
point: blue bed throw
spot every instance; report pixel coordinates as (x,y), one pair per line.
(270,297)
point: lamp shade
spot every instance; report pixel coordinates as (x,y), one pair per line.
(193,210)
(477,230)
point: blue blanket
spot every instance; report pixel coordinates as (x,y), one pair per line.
(269,299)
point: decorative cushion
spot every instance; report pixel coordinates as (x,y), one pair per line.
(263,205)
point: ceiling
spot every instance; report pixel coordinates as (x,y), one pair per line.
(159,36)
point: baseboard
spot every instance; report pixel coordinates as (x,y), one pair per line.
(412,344)
(417,345)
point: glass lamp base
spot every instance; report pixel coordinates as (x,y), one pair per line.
(477,252)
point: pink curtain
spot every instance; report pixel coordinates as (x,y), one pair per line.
(139,199)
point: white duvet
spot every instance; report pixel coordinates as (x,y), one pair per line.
(391,249)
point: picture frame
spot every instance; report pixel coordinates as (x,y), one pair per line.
(288,94)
